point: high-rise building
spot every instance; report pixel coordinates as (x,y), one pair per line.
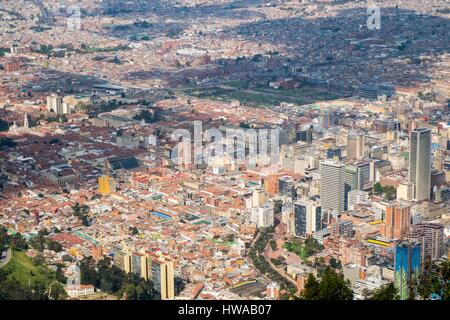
(355,146)
(162,275)
(332,185)
(127,262)
(407,268)
(119,258)
(431,235)
(396,221)
(136,263)
(420,163)
(342,228)
(357,176)
(286,187)
(307,217)
(106,185)
(305,135)
(356,197)
(55,104)
(263,216)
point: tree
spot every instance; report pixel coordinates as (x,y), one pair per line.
(334,263)
(390,192)
(273,244)
(60,274)
(134,231)
(312,288)
(435,281)
(57,292)
(4,126)
(130,291)
(6,143)
(331,287)
(386,292)
(377,189)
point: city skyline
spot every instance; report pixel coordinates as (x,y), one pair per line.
(207,150)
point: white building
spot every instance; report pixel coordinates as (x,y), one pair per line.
(263,216)
(356,197)
(80,290)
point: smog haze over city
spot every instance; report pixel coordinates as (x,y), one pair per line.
(224,150)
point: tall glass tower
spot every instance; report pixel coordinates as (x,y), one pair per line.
(420,163)
(407,268)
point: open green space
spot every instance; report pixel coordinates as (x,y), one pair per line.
(304,249)
(262,96)
(24,270)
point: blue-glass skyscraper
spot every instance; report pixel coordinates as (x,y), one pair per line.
(407,268)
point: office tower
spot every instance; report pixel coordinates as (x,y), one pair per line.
(407,268)
(432,237)
(355,146)
(136,263)
(332,185)
(329,119)
(288,218)
(396,221)
(146,266)
(307,217)
(286,187)
(106,185)
(357,176)
(356,197)
(55,104)
(162,271)
(420,163)
(263,216)
(119,258)
(305,135)
(127,262)
(439,157)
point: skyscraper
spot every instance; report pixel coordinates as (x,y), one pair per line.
(396,221)
(307,217)
(163,277)
(420,163)
(357,175)
(332,185)
(355,146)
(55,104)
(286,187)
(407,268)
(433,239)
(263,216)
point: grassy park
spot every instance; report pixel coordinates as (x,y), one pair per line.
(24,270)
(263,96)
